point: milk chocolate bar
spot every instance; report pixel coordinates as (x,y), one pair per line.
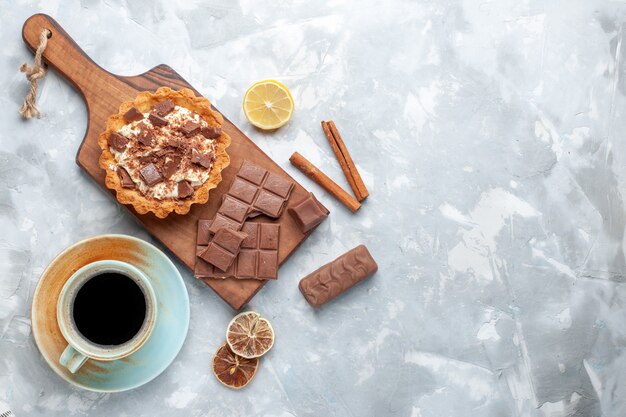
(308,213)
(338,276)
(257,259)
(254,191)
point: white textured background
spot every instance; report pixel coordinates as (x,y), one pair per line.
(491,137)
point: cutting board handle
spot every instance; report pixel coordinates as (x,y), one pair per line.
(65,56)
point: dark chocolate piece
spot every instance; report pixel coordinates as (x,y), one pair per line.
(256,191)
(117,142)
(133,115)
(201,159)
(223,249)
(157,120)
(337,276)
(211,132)
(190,128)
(176,142)
(170,166)
(184,189)
(203,232)
(125,179)
(163,108)
(308,213)
(145,137)
(151,175)
(257,259)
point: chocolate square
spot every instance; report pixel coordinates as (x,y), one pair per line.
(229,239)
(202,269)
(190,128)
(201,159)
(170,166)
(184,189)
(133,115)
(269,204)
(163,108)
(246,263)
(234,209)
(117,142)
(176,142)
(278,185)
(217,256)
(308,213)
(151,175)
(252,172)
(243,190)
(125,179)
(211,132)
(145,137)
(203,232)
(222,221)
(157,120)
(268,265)
(251,231)
(270,233)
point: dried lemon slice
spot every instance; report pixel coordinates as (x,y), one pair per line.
(268,104)
(249,335)
(231,369)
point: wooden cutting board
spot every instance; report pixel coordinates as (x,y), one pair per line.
(103,92)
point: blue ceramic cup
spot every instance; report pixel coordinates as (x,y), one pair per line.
(79,348)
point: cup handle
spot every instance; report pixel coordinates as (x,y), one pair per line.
(72,359)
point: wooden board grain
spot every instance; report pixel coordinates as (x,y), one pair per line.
(103,92)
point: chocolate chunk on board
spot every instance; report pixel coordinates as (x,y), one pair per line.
(151,175)
(308,213)
(163,108)
(257,259)
(184,189)
(117,142)
(157,120)
(125,179)
(338,276)
(256,189)
(223,248)
(133,115)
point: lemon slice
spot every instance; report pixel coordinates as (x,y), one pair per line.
(249,335)
(231,369)
(268,104)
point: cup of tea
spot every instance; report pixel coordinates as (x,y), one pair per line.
(106,311)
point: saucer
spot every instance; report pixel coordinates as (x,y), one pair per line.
(167,336)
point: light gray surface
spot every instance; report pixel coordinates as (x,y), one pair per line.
(491,137)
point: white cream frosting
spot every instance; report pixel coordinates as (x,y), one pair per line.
(168,188)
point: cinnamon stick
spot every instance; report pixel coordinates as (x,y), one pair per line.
(311,171)
(345,160)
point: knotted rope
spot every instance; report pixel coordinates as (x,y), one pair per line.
(33,75)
